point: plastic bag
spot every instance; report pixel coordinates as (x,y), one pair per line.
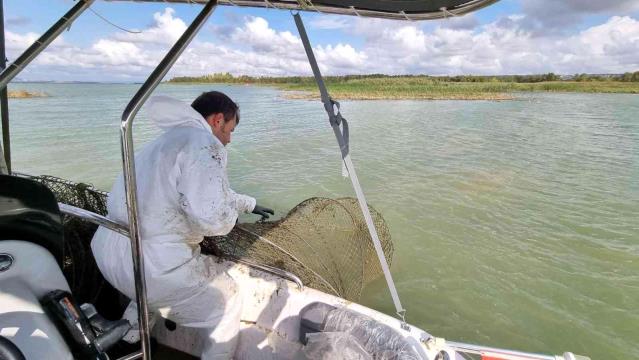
(334,345)
(380,340)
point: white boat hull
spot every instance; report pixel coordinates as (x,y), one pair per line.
(270,320)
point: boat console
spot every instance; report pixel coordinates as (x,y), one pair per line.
(39,318)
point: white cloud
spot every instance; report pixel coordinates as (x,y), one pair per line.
(505,46)
(618,32)
(341,58)
(257,34)
(166,29)
(19,42)
(559,13)
(118,53)
(612,46)
(122,56)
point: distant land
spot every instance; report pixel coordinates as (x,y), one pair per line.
(24,94)
(462,87)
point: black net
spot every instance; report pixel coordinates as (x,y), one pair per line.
(79,267)
(325,242)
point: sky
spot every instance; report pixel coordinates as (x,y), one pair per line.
(510,37)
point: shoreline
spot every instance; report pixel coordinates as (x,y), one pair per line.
(418,88)
(310,95)
(294,94)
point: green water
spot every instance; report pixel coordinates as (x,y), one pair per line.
(514,223)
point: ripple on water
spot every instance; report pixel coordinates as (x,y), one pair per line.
(514,222)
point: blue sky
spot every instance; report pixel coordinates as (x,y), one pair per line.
(512,36)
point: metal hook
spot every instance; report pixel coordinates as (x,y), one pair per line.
(402,315)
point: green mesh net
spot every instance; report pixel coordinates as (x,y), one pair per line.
(325,242)
(79,267)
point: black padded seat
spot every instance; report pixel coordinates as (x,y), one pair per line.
(29,211)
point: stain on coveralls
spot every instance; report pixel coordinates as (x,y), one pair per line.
(183,195)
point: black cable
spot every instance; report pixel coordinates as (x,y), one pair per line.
(112,24)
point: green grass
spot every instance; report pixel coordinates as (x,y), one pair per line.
(606,86)
(420,87)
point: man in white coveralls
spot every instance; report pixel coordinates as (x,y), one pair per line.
(184,195)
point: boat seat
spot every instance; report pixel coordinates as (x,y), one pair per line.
(29,212)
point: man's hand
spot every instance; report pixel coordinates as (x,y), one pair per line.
(263,211)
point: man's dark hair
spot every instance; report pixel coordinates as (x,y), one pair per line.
(214,102)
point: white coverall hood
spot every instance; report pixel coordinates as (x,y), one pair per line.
(167,112)
(183,195)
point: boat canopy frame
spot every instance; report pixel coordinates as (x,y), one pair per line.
(386,9)
(5,168)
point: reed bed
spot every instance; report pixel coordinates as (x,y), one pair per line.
(373,87)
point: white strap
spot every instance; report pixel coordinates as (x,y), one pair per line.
(373,232)
(336,121)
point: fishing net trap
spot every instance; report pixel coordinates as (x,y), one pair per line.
(325,242)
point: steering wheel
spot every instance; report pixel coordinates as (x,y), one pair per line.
(9,350)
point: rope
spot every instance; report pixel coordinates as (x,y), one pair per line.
(405,15)
(112,24)
(305,4)
(268,5)
(446,12)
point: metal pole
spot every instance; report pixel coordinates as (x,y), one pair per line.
(93,218)
(130,187)
(5,162)
(3,165)
(54,31)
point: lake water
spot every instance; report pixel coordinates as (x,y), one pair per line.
(514,222)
